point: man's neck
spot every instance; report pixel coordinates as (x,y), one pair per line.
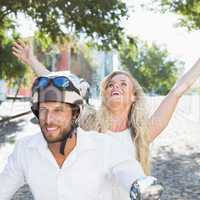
(55,150)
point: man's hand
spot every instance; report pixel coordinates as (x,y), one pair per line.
(146,188)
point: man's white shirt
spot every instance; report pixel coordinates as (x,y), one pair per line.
(88,173)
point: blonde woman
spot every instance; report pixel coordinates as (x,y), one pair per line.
(122,112)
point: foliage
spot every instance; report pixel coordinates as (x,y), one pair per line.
(11,69)
(100,20)
(150,65)
(189,11)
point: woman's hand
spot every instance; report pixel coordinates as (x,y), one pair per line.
(23,51)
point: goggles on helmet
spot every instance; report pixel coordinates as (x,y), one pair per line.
(61,82)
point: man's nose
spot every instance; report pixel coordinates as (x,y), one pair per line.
(50,118)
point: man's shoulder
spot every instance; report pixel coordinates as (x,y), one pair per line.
(88,134)
(30,140)
(93,136)
(101,139)
(114,149)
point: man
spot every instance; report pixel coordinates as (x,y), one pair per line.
(64,162)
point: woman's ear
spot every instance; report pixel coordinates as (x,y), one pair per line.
(133,98)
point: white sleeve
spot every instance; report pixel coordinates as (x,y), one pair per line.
(125,173)
(11,178)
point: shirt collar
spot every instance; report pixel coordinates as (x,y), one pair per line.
(84,141)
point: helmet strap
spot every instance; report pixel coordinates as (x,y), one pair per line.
(72,131)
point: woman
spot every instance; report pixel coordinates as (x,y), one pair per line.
(122,108)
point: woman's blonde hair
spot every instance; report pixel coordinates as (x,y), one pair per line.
(137,119)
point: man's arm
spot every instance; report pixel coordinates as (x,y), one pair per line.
(127,172)
(11,178)
(130,176)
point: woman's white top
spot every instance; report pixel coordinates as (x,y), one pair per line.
(128,146)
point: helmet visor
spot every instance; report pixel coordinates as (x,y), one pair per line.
(61,83)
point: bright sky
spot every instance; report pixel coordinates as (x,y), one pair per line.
(149,26)
(160,28)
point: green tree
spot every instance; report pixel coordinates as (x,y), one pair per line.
(10,69)
(150,65)
(188,10)
(100,20)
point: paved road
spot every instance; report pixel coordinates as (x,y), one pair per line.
(175,154)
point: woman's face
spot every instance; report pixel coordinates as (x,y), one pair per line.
(119,92)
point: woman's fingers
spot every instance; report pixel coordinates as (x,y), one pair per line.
(17,55)
(21,43)
(16,50)
(18,46)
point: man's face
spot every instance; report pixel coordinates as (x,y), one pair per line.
(55,120)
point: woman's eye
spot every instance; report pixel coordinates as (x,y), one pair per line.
(109,85)
(124,84)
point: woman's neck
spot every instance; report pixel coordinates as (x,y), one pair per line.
(119,121)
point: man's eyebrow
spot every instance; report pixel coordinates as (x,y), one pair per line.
(59,107)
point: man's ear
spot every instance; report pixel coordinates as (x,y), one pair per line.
(74,116)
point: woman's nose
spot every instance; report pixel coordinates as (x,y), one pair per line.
(116,85)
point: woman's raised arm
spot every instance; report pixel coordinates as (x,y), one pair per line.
(24,52)
(160,118)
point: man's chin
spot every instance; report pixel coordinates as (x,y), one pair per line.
(49,141)
(52,138)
